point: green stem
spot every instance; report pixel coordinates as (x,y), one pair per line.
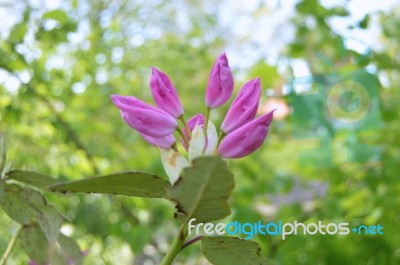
(176,245)
(205,127)
(186,126)
(10,247)
(179,130)
(220,137)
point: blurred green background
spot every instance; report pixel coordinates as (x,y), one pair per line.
(61,60)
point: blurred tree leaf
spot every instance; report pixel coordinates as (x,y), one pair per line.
(59,32)
(364,22)
(17,33)
(135,184)
(11,61)
(223,250)
(202,190)
(267,73)
(384,61)
(58,15)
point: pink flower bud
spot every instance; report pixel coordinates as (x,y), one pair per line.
(197,119)
(145,118)
(164,93)
(244,107)
(165,142)
(246,139)
(220,83)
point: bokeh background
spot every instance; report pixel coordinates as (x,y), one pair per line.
(331,68)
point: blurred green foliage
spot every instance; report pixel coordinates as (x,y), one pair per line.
(62,65)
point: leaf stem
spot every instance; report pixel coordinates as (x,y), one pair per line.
(186,126)
(10,247)
(191,241)
(176,245)
(179,130)
(205,127)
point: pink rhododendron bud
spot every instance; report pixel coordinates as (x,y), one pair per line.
(245,140)
(196,119)
(244,107)
(220,83)
(165,142)
(145,118)
(164,93)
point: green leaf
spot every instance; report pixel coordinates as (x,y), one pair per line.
(65,252)
(70,249)
(34,243)
(58,15)
(48,218)
(50,221)
(203,190)
(16,207)
(25,205)
(232,250)
(31,178)
(135,184)
(56,258)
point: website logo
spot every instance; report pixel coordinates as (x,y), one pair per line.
(279,228)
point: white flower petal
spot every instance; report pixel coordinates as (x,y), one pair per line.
(212,137)
(197,143)
(173,163)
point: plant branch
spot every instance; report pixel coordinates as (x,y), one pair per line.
(186,126)
(10,247)
(191,241)
(179,130)
(72,135)
(176,245)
